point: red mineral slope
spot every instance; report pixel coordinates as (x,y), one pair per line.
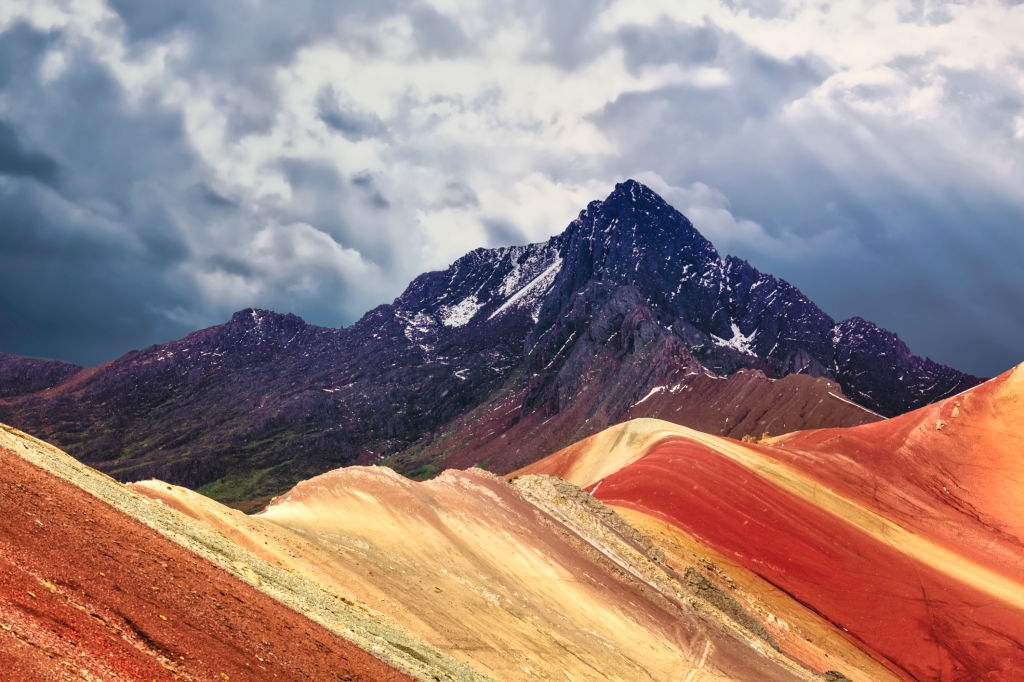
(907,533)
(952,471)
(88,593)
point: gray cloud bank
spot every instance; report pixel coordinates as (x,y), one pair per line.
(163,164)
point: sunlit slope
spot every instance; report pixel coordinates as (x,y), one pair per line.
(905,533)
(953,471)
(87,592)
(467,563)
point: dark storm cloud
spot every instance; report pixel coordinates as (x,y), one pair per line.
(325,200)
(318,195)
(211,197)
(377,200)
(87,262)
(925,13)
(458,195)
(243,38)
(951,293)
(372,194)
(364,179)
(761,9)
(16,159)
(240,43)
(225,40)
(437,34)
(303,174)
(565,27)
(225,262)
(991,105)
(148,20)
(21,48)
(72,290)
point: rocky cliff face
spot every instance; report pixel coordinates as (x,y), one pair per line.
(548,341)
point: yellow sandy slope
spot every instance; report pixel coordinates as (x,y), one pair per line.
(467,564)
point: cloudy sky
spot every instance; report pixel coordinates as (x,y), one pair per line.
(165,163)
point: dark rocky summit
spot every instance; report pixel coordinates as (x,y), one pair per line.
(549,342)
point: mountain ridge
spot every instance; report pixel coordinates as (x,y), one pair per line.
(629,299)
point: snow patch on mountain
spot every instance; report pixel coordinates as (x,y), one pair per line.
(652,392)
(418,325)
(420,329)
(739,341)
(532,294)
(461,313)
(526,263)
(676,388)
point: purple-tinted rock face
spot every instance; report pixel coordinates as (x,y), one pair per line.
(245,409)
(28,375)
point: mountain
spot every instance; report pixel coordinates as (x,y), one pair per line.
(502,358)
(463,578)
(907,534)
(29,375)
(886,551)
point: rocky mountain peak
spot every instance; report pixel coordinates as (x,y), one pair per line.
(635,193)
(633,215)
(634,238)
(263,324)
(256,318)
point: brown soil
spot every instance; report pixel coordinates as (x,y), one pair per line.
(745,404)
(749,404)
(87,593)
